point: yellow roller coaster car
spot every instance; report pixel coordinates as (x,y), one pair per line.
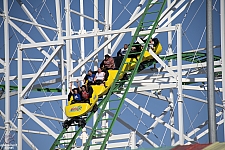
(81,108)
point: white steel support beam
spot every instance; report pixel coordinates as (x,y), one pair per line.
(160,97)
(133,140)
(189,87)
(30,16)
(32,23)
(167,68)
(200,100)
(138,8)
(166,15)
(95,116)
(107,50)
(10,94)
(39,122)
(156,118)
(97,33)
(82,56)
(27,76)
(61,68)
(68,42)
(205,132)
(44,99)
(68,53)
(82,46)
(179,82)
(152,127)
(40,71)
(188,66)
(20,98)
(133,129)
(7,74)
(41,44)
(87,17)
(154,86)
(222,34)
(106,27)
(194,131)
(27,37)
(170,64)
(2,62)
(110,25)
(48,117)
(27,131)
(113,137)
(181,10)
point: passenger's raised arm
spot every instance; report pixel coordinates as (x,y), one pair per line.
(78,85)
(71,90)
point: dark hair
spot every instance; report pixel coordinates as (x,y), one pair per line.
(107,55)
(74,89)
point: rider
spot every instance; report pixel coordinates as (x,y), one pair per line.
(83,90)
(89,78)
(108,63)
(99,77)
(76,95)
(123,50)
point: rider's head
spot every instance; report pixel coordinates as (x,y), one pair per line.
(125,46)
(89,72)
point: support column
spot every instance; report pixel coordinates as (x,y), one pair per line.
(106,51)
(68,53)
(62,70)
(95,46)
(82,31)
(20,85)
(110,26)
(179,81)
(222,33)
(82,53)
(7,74)
(170,64)
(210,74)
(133,140)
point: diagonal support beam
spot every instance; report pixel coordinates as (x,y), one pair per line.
(30,16)
(2,62)
(133,129)
(39,122)
(155,118)
(40,71)
(27,37)
(88,17)
(153,126)
(167,68)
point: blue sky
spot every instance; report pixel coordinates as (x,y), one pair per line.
(194,20)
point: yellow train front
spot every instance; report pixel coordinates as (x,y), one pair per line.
(81,108)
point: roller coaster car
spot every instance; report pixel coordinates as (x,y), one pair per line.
(76,110)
